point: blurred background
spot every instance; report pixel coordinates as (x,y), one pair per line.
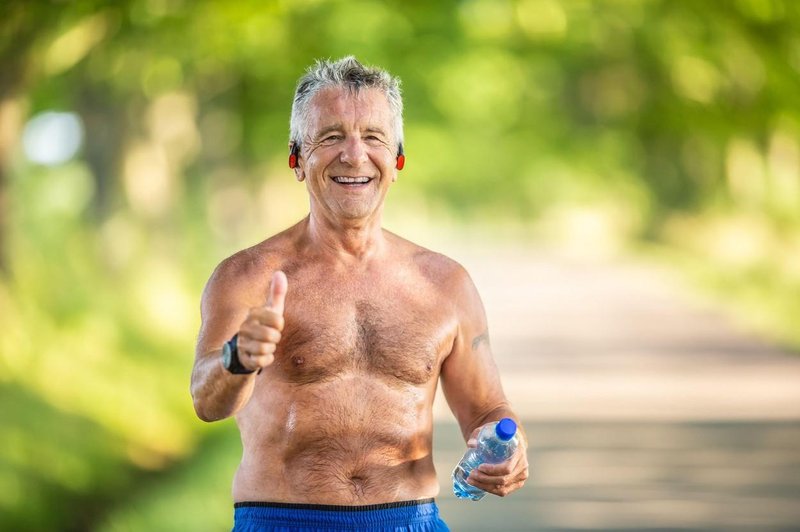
(548,142)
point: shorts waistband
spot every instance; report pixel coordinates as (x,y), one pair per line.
(332,507)
(403,512)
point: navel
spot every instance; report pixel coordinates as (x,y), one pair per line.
(357,484)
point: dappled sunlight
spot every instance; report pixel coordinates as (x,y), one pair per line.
(66,192)
(152,167)
(230,210)
(149,182)
(612,92)
(542,19)
(588,231)
(161,74)
(746,173)
(481,88)
(83,375)
(281,202)
(75,43)
(696,78)
(221,133)
(122,240)
(12,116)
(378,22)
(162,301)
(51,138)
(171,122)
(737,242)
(487,19)
(745,67)
(783,161)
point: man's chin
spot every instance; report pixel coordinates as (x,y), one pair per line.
(354,211)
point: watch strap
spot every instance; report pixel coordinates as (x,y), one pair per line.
(234,365)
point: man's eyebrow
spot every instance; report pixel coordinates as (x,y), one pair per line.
(324,131)
(375,129)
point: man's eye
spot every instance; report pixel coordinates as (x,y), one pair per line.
(331,138)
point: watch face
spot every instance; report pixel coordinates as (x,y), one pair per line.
(226,355)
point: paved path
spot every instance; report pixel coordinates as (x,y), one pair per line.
(646,408)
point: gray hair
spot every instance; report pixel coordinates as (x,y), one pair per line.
(348,73)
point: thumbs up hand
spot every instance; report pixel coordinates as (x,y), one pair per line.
(261,330)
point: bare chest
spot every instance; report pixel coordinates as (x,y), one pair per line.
(391,332)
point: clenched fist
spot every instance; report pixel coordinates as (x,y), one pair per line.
(261,330)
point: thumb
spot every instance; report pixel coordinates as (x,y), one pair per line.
(277,292)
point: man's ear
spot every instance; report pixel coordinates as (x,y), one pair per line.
(299,173)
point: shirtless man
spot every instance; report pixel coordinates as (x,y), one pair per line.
(343,331)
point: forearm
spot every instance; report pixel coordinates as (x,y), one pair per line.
(218,394)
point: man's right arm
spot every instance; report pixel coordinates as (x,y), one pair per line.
(226,310)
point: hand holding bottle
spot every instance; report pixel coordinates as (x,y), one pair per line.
(496,462)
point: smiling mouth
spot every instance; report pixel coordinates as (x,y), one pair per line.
(351,181)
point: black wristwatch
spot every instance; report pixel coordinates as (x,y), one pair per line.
(230,358)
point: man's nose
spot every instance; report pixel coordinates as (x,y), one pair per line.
(353,152)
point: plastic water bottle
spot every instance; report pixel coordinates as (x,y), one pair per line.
(496,443)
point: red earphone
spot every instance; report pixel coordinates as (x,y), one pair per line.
(401,158)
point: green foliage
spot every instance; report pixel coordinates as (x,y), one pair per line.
(193,496)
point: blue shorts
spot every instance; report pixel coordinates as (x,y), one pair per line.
(406,516)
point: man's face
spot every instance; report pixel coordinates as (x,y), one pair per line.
(348,156)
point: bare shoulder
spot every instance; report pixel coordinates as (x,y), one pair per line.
(238,283)
(439,269)
(246,273)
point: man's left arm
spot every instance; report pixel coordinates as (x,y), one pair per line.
(471,385)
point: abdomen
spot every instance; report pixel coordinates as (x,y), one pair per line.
(353,439)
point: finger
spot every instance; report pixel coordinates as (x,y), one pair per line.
(254,355)
(500,486)
(503,468)
(254,330)
(516,475)
(256,348)
(506,490)
(267,317)
(261,361)
(486,480)
(499,470)
(277,292)
(491,485)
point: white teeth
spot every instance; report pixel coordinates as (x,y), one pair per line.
(342,179)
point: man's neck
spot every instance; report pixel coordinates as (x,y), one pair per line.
(346,240)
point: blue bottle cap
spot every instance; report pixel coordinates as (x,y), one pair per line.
(506,429)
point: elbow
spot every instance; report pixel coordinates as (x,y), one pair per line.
(204,407)
(206,413)
(203,414)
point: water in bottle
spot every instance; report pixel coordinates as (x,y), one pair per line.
(496,443)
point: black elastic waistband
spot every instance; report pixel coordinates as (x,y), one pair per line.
(332,507)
